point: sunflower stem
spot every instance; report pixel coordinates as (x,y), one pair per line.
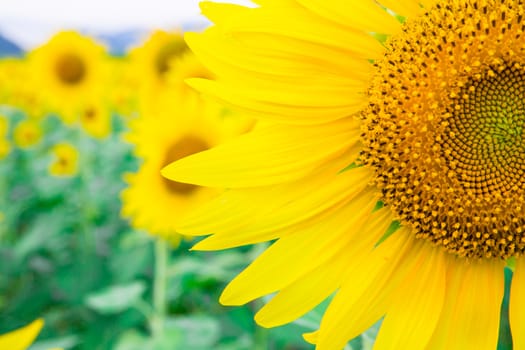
(159,288)
(261,336)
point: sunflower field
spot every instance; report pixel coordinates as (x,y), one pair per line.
(299,174)
(87,222)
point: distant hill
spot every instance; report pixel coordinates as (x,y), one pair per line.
(8,48)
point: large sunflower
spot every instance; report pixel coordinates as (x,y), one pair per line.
(382,114)
(187,124)
(69,70)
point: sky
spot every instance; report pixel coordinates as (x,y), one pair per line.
(31,22)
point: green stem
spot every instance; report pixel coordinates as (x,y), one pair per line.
(144,308)
(84,177)
(261,336)
(160,287)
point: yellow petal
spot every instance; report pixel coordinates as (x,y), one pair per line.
(223,54)
(21,338)
(293,21)
(253,59)
(365,15)
(517,305)
(367,292)
(311,337)
(231,207)
(282,212)
(407,8)
(471,313)
(416,306)
(248,161)
(292,256)
(301,296)
(297,92)
(285,113)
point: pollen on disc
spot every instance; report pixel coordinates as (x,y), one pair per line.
(443,130)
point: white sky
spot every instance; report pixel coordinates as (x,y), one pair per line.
(31,22)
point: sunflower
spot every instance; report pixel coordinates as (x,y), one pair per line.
(69,70)
(27,133)
(187,125)
(152,59)
(123,87)
(66,160)
(152,63)
(4,125)
(18,88)
(95,119)
(21,338)
(10,78)
(5,146)
(402,117)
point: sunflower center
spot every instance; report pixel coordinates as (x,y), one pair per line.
(183,147)
(90,114)
(485,142)
(167,53)
(444,127)
(70,69)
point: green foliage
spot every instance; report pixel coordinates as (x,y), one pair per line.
(68,257)
(116,299)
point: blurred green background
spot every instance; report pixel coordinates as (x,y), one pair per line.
(68,257)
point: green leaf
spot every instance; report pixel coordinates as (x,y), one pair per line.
(115,299)
(243,342)
(61,343)
(133,340)
(43,232)
(200,332)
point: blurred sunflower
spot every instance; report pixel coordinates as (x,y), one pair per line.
(122,96)
(152,62)
(421,135)
(21,338)
(5,146)
(27,133)
(69,70)
(4,125)
(95,119)
(18,86)
(4,82)
(66,160)
(187,125)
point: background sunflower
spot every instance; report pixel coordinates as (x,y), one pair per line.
(69,72)
(186,124)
